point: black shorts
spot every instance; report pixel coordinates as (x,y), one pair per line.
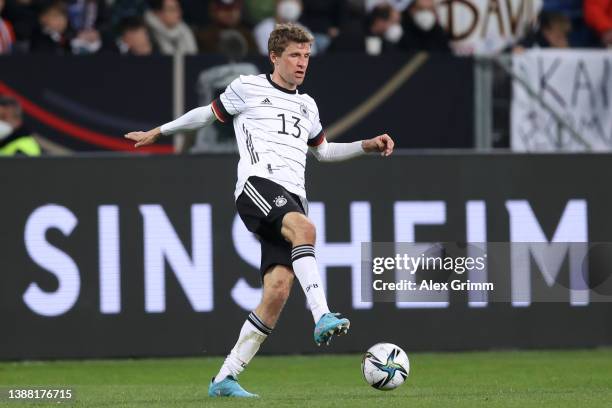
(262,205)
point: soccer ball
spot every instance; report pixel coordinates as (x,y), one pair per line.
(385,366)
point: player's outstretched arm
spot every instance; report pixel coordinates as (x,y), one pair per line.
(190,121)
(330,152)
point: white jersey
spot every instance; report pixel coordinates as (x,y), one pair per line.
(274,127)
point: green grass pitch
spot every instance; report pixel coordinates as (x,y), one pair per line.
(484,379)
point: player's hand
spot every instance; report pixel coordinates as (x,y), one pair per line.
(383,144)
(144,138)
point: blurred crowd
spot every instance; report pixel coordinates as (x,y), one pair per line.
(146,27)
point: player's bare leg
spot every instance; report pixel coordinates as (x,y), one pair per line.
(300,231)
(277,284)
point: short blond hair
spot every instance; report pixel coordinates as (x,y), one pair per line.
(283,34)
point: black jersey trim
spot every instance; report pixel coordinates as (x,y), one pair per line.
(317,140)
(220,112)
(280,88)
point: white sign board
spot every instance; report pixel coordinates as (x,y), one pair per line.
(576,85)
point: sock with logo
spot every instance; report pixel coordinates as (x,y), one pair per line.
(252,334)
(307,272)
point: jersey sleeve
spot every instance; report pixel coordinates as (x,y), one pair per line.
(317,135)
(231,102)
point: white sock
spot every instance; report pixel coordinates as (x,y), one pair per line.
(252,334)
(307,272)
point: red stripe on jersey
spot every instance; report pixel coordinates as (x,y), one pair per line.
(317,140)
(217,112)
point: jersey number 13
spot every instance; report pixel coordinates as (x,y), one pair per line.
(295,125)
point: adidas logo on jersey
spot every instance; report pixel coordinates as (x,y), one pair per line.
(266,102)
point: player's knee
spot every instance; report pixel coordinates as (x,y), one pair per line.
(299,229)
(309,231)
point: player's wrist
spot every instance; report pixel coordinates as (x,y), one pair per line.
(362,146)
(366,145)
(156,133)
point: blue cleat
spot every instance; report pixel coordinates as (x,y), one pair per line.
(229,387)
(330,324)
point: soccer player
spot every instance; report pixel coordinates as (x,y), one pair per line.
(275,125)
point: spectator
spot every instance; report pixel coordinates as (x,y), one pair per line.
(121,9)
(23,17)
(15,138)
(226,15)
(323,18)
(257,10)
(372,36)
(553,32)
(133,38)
(7,36)
(170,33)
(53,34)
(195,12)
(598,16)
(85,16)
(422,30)
(399,5)
(287,11)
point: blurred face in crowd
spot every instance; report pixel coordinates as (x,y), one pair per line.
(227,16)
(10,115)
(424,14)
(381,24)
(292,63)
(170,14)
(138,41)
(1,5)
(556,33)
(54,19)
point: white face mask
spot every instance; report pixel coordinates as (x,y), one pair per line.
(394,33)
(5,129)
(289,11)
(424,19)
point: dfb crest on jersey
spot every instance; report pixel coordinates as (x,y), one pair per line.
(304,109)
(279,201)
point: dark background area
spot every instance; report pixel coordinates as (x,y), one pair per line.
(81,184)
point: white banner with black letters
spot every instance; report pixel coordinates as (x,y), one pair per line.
(486,27)
(561,101)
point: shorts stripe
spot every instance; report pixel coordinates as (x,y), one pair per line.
(256,201)
(256,194)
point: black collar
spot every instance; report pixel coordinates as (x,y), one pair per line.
(280,88)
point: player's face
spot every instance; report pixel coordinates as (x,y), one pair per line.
(293,62)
